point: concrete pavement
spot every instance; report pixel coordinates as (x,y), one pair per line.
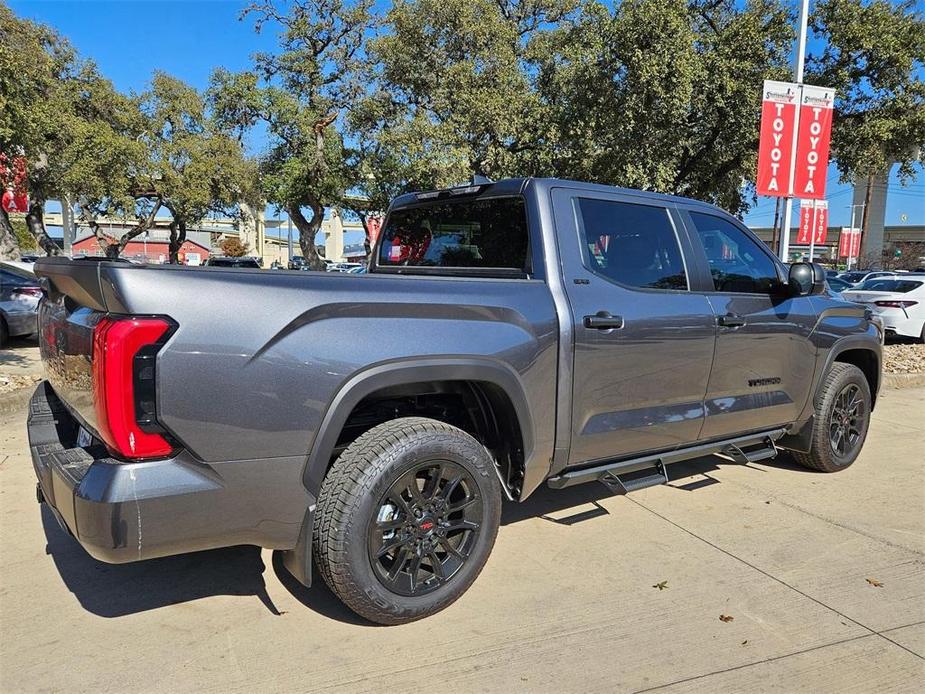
(822,575)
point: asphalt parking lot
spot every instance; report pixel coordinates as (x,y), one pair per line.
(733,578)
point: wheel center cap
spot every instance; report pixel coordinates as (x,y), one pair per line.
(427,524)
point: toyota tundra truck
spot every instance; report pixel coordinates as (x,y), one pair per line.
(507,335)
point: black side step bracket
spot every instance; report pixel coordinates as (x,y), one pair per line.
(764,451)
(742,449)
(617,484)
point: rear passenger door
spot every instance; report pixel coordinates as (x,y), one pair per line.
(643,339)
(764,363)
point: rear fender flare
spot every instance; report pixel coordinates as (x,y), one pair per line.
(396,373)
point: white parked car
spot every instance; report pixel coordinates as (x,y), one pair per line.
(898,301)
(858,277)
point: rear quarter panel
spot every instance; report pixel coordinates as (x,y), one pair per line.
(258,357)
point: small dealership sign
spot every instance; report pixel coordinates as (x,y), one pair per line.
(814,222)
(849,243)
(793,146)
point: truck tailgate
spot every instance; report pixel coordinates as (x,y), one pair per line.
(66,345)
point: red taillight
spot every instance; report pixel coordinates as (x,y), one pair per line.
(895,304)
(116,342)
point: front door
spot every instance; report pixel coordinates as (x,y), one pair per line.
(763,368)
(643,340)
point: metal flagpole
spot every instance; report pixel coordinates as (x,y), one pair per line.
(812,233)
(798,78)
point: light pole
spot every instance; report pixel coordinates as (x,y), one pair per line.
(798,78)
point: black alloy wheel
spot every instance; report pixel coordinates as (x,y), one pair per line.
(425,528)
(848,420)
(406,518)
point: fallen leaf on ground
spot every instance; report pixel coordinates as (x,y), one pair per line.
(726,618)
(661,585)
(875,583)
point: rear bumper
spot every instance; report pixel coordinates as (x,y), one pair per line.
(122,512)
(898,322)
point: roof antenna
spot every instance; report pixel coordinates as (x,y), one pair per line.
(480,180)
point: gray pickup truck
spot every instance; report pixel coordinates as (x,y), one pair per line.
(507,335)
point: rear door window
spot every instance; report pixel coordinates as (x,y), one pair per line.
(631,244)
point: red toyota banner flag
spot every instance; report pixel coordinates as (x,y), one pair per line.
(778,121)
(804,235)
(844,243)
(856,243)
(849,243)
(822,221)
(13,182)
(816,109)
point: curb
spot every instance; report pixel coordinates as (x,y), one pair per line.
(903,380)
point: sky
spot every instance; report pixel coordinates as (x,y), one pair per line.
(131,39)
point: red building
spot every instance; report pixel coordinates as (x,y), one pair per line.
(154,251)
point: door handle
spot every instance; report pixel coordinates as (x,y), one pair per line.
(731,320)
(603,320)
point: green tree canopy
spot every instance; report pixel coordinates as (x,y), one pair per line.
(192,167)
(301,94)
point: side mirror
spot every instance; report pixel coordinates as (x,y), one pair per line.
(806,279)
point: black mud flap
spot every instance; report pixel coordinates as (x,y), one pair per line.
(298,560)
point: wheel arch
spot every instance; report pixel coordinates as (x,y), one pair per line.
(495,386)
(865,359)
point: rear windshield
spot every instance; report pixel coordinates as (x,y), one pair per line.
(899,286)
(490,234)
(853,276)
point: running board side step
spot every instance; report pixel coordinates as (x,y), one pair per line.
(762,447)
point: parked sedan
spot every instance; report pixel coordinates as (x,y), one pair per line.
(856,277)
(837,285)
(19,300)
(899,301)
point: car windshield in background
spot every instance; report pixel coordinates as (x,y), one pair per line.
(853,277)
(898,286)
(489,234)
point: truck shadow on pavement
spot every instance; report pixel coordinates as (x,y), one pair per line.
(116,590)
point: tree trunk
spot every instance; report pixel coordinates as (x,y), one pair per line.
(308,230)
(9,246)
(177,238)
(367,242)
(35,222)
(865,213)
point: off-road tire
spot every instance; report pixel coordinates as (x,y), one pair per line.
(349,499)
(821,455)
